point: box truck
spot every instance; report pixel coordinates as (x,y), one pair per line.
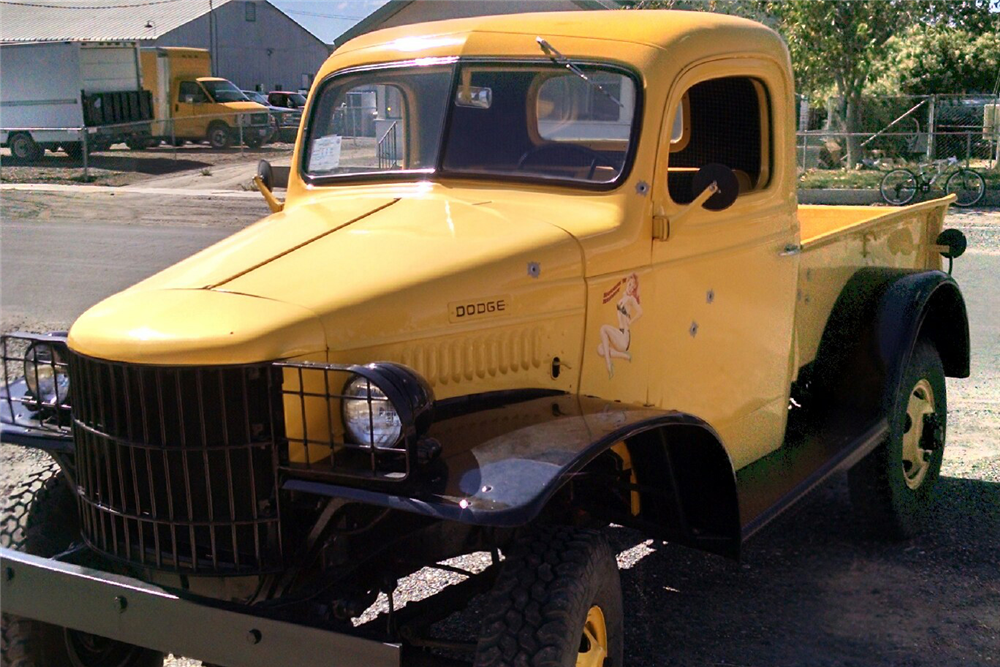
(54,93)
(189,104)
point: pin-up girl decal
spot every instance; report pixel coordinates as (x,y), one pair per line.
(615,341)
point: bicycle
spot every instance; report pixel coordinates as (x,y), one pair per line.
(900,186)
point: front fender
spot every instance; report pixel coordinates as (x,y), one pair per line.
(505,456)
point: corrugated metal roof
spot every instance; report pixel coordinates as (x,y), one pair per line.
(96,20)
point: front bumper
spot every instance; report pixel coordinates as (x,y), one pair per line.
(139,613)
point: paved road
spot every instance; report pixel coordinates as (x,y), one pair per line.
(62,251)
(810,591)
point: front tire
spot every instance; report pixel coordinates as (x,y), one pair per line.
(899,187)
(557,602)
(219,136)
(41,519)
(968,187)
(892,488)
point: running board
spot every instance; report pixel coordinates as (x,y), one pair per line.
(769,486)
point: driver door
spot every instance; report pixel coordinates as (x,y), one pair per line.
(191,102)
(725,281)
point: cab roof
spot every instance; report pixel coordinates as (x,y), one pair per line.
(657,28)
(575,33)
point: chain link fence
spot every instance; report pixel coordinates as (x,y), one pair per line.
(190,141)
(888,132)
(896,131)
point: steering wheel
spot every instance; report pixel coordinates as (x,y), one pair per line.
(595,157)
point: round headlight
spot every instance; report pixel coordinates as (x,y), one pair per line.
(45,373)
(369,416)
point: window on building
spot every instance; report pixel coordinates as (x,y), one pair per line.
(251,11)
(725,121)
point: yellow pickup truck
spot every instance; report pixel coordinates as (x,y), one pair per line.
(557,278)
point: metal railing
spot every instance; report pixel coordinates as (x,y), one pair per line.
(388,158)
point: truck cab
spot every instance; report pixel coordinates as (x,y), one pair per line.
(532,275)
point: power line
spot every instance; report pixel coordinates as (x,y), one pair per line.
(69,6)
(323,16)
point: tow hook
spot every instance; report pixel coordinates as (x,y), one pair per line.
(932,437)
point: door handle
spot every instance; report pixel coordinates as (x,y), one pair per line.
(790,250)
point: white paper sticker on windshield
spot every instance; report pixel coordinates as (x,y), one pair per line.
(325,154)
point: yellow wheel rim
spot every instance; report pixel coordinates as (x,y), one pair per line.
(594,643)
(916,459)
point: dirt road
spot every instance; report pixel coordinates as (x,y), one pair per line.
(811,590)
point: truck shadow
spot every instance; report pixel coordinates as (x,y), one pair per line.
(817,588)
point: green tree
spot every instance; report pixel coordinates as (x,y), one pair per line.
(844,44)
(939,59)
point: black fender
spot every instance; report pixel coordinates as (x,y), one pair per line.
(504,457)
(875,324)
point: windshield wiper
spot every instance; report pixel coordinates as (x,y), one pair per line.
(560,59)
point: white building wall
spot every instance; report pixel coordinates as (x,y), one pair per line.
(272,51)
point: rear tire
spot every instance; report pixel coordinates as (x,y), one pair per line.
(899,187)
(557,602)
(40,518)
(24,149)
(967,185)
(892,488)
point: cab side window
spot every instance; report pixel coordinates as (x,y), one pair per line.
(726,121)
(191,93)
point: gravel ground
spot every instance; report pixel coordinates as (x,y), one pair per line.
(812,589)
(121,166)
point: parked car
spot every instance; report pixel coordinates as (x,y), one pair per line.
(286,121)
(287,99)
(557,292)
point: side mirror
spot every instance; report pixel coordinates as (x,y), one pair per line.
(726,187)
(266,174)
(273,177)
(714,187)
(951,243)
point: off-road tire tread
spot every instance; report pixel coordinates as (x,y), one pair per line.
(39,517)
(25,513)
(889,508)
(533,608)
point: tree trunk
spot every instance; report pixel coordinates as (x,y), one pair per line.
(853,127)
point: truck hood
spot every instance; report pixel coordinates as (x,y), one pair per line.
(343,274)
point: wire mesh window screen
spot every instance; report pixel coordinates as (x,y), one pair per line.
(725,122)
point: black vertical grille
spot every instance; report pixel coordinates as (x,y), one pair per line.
(177,466)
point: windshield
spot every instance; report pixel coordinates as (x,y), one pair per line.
(298,99)
(223,91)
(536,121)
(256,97)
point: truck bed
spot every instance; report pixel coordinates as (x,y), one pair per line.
(839,240)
